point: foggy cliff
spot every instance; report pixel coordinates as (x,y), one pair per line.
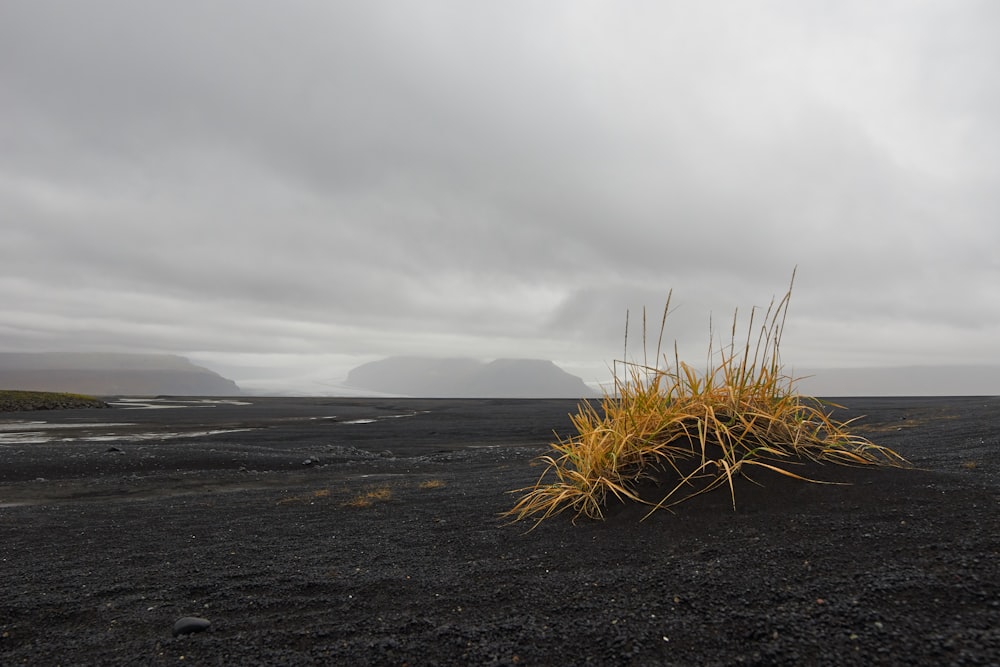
(468,378)
(107,374)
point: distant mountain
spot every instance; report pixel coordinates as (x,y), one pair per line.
(468,378)
(111,374)
(899,381)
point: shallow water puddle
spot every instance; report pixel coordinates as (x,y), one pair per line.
(159,435)
(38,432)
(168,403)
(20,425)
(372,420)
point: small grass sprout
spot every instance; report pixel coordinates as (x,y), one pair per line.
(378,494)
(305,498)
(692,432)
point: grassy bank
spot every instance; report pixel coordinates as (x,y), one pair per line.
(19,401)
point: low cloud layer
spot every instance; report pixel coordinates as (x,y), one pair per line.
(294,189)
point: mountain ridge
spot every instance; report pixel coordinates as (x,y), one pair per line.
(460,377)
(111,374)
(911,380)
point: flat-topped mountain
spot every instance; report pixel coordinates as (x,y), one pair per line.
(900,381)
(468,378)
(111,374)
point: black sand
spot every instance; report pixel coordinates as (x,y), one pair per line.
(105,543)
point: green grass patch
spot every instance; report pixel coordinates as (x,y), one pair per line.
(693,431)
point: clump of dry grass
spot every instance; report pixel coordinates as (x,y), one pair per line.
(698,430)
(378,494)
(305,498)
(361,499)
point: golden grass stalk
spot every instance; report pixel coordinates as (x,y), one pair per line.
(379,494)
(696,430)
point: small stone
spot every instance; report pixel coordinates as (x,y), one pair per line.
(310,461)
(188,624)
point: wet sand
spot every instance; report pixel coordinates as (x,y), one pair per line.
(366,531)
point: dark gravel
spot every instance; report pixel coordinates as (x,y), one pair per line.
(111,534)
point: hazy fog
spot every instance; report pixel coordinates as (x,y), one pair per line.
(283,191)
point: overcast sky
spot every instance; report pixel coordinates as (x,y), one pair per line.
(289,189)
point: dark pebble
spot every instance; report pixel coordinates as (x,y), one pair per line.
(188,624)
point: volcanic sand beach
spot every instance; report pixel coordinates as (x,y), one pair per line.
(366,532)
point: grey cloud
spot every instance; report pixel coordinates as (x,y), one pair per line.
(501,180)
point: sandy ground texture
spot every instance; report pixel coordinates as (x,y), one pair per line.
(366,532)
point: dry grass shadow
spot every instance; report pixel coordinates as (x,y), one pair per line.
(910,422)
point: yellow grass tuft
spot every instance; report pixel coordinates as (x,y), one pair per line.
(379,494)
(698,430)
(305,498)
(432,484)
